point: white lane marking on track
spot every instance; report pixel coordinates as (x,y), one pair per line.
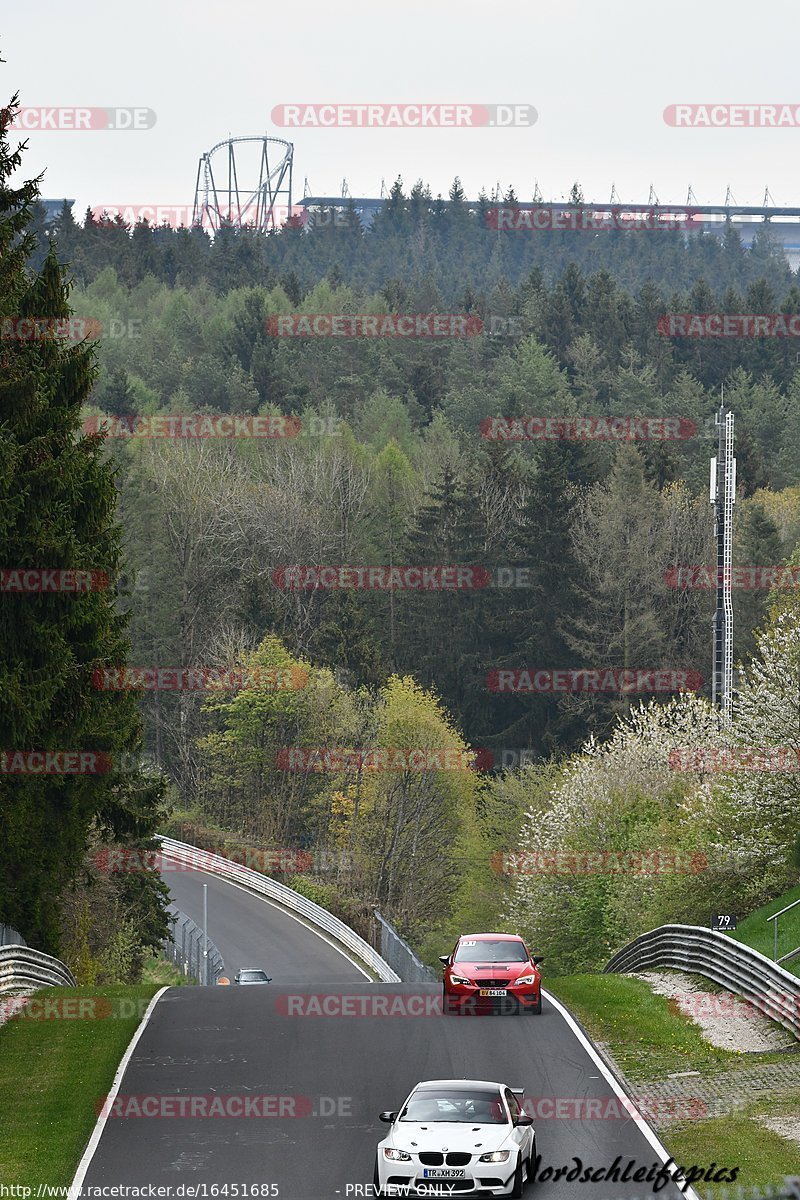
(285,913)
(97,1132)
(644,1128)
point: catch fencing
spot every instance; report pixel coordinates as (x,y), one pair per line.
(185,950)
(10,937)
(400,957)
(731,964)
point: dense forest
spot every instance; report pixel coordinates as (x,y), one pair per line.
(576,539)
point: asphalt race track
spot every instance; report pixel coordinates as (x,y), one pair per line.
(249,932)
(334,1072)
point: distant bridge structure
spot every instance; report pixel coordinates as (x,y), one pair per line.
(783,222)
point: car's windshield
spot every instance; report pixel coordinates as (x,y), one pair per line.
(246,976)
(490,952)
(467,1108)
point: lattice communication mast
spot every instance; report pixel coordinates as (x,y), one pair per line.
(249,185)
(723,497)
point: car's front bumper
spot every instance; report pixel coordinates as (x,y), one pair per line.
(481,1179)
(465,1000)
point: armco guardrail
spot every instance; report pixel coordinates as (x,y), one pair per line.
(24,970)
(217,864)
(731,964)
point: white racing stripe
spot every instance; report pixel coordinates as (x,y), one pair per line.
(645,1129)
(97,1132)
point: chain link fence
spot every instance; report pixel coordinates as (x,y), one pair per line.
(185,949)
(400,957)
(10,937)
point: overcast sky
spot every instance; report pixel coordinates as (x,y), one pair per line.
(598,74)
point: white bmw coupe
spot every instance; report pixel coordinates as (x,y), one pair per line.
(455,1137)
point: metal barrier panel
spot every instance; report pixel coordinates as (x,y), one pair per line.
(25,970)
(400,957)
(731,964)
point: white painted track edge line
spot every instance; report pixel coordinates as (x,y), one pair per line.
(285,911)
(97,1132)
(646,1130)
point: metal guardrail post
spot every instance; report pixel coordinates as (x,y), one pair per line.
(774,918)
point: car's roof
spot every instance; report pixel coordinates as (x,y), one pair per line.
(252,970)
(486,937)
(465,1085)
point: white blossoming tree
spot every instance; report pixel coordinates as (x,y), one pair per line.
(670,781)
(619,800)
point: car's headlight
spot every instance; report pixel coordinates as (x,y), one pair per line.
(396,1155)
(458,979)
(523,979)
(495,1156)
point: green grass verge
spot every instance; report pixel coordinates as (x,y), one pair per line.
(161,973)
(646,1037)
(53,1072)
(756,930)
(648,1040)
(737,1140)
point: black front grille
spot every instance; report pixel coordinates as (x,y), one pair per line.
(446,1187)
(458,1158)
(431,1158)
(493,983)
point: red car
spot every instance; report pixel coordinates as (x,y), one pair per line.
(490,972)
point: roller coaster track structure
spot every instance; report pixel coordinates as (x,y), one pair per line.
(247,189)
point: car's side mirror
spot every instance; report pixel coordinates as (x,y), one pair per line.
(444,958)
(524,1120)
(537,958)
(388,1117)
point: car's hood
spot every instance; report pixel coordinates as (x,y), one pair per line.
(493,970)
(413,1137)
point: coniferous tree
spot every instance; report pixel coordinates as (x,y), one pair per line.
(57,499)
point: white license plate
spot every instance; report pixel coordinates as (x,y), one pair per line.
(443,1173)
(494,992)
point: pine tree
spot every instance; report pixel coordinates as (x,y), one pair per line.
(57,498)
(758,543)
